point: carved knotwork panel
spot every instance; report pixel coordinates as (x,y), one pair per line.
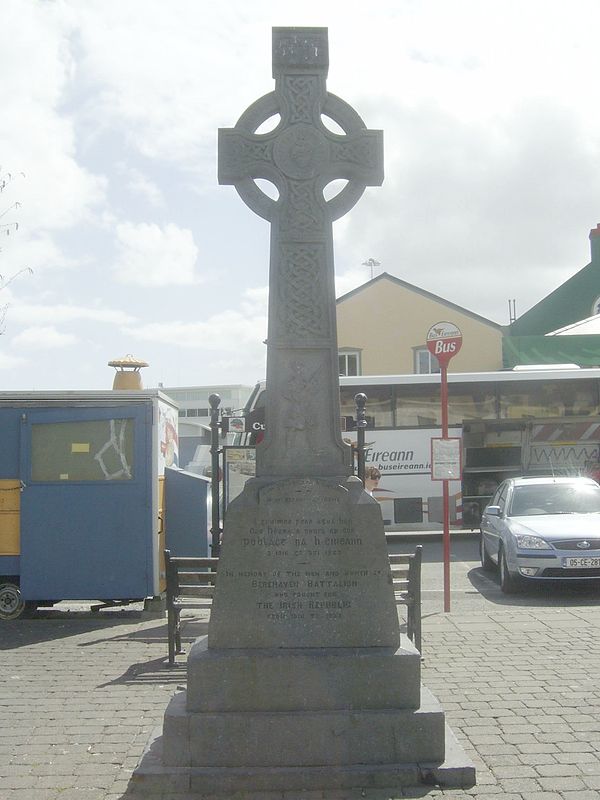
(302,214)
(239,154)
(362,152)
(302,306)
(301,93)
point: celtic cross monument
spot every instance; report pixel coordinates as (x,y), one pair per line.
(302,682)
(300,157)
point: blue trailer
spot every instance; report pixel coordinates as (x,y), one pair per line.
(82,492)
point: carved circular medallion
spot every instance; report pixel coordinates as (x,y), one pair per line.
(300,151)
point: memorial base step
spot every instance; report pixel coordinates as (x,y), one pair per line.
(317,679)
(455,771)
(303,738)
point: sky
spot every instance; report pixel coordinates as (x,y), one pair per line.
(117,238)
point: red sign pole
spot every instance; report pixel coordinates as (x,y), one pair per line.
(444,340)
(446,493)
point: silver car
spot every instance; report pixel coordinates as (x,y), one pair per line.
(538,529)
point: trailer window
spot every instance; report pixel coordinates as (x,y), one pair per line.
(93,450)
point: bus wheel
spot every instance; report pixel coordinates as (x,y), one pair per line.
(12,604)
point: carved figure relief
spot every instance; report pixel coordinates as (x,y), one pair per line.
(299,421)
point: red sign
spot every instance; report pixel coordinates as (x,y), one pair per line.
(444,340)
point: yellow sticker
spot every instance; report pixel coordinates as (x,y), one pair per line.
(80,447)
(64,476)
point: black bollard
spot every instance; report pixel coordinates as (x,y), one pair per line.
(215,530)
(361,423)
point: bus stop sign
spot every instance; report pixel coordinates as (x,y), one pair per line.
(444,340)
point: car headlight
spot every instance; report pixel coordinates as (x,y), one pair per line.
(528,542)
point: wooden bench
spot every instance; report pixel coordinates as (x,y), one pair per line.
(191,582)
(406,575)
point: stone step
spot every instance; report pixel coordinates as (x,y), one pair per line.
(303,738)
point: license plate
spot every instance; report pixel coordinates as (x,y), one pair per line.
(581,562)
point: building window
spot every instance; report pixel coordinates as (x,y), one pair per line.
(425,363)
(349,363)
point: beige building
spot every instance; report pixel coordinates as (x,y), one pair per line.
(382,327)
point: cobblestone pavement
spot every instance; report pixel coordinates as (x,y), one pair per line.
(519,679)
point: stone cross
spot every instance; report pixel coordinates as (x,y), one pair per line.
(300,156)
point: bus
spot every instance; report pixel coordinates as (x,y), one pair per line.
(525,421)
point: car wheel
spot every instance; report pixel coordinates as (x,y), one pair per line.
(486,561)
(508,583)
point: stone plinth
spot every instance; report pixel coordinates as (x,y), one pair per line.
(281,695)
(309,679)
(303,738)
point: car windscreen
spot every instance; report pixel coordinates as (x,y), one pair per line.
(555,498)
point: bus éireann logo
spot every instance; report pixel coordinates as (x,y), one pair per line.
(444,340)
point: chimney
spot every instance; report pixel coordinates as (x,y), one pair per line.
(127,373)
(595,244)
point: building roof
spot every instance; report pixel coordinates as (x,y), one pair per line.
(417,290)
(585,327)
(568,304)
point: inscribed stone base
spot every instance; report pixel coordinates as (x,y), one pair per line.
(304,563)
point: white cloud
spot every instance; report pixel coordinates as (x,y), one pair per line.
(153,256)
(231,331)
(8,361)
(38,253)
(26,313)
(349,280)
(43,337)
(141,186)
(38,138)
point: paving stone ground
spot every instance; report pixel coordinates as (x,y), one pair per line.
(519,679)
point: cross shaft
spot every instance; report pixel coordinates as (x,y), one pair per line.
(300,157)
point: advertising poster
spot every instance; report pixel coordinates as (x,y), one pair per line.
(239,465)
(168,439)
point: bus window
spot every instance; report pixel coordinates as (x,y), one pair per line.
(470,401)
(418,406)
(548,399)
(378,406)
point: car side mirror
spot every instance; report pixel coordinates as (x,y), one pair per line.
(493,511)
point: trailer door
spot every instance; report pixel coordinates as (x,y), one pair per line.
(86,521)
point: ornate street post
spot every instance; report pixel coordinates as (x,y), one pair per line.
(215,530)
(361,423)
